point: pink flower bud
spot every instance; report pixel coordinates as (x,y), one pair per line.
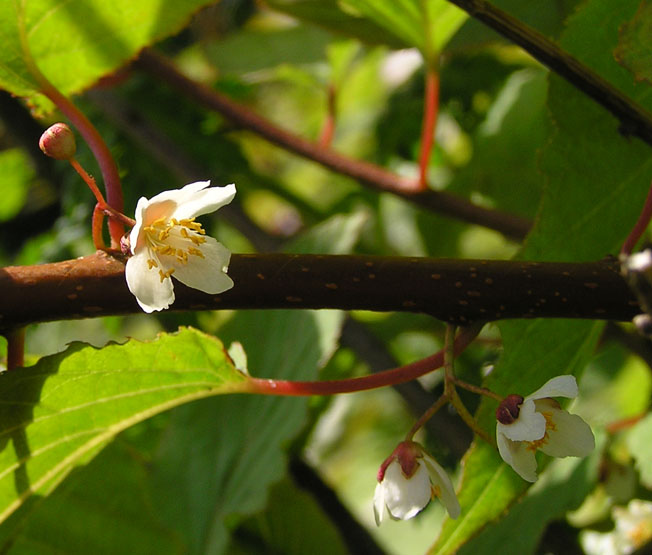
(58,141)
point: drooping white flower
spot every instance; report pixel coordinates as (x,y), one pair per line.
(407,481)
(167,241)
(538,422)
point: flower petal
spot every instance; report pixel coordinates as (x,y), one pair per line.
(146,285)
(560,386)
(405,497)
(518,456)
(569,435)
(207,274)
(195,201)
(135,231)
(529,426)
(380,509)
(443,486)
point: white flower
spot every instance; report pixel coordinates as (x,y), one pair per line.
(167,240)
(408,479)
(633,531)
(538,422)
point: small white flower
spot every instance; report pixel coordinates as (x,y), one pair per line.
(167,240)
(408,479)
(633,531)
(538,422)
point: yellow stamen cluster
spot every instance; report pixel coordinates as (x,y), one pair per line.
(158,233)
(550,425)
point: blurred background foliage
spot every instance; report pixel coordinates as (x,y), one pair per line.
(302,480)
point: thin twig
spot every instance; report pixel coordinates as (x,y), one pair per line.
(369,174)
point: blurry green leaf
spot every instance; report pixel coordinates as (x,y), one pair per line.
(15,176)
(616,386)
(425,25)
(292,524)
(56,413)
(75,42)
(327,13)
(255,50)
(561,488)
(219,456)
(640,446)
(504,164)
(103,508)
(635,44)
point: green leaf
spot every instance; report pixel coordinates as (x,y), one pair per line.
(635,44)
(596,183)
(255,50)
(638,441)
(75,42)
(106,506)
(427,26)
(328,14)
(16,175)
(62,410)
(534,352)
(509,137)
(236,444)
(292,524)
(561,488)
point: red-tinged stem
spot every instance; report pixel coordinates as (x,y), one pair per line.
(101,152)
(101,203)
(98,219)
(327,132)
(431,109)
(639,227)
(427,416)
(94,140)
(15,348)
(625,423)
(394,376)
(90,181)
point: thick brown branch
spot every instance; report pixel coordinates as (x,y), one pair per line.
(634,119)
(364,172)
(458,291)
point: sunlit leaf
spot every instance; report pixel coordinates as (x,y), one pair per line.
(638,441)
(75,42)
(55,414)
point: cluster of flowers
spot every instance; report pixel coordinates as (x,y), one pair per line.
(410,478)
(167,241)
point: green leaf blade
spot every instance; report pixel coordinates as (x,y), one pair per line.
(54,414)
(76,42)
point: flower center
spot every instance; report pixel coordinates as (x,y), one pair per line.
(180,239)
(550,425)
